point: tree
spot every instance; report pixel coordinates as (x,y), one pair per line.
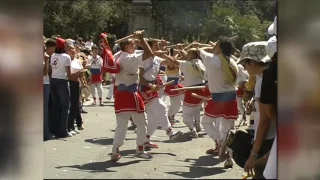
(85,18)
(228,20)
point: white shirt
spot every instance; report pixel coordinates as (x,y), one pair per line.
(76,66)
(95,63)
(215,74)
(151,68)
(117,55)
(192,76)
(242,74)
(270,172)
(58,64)
(129,68)
(46,79)
(88,44)
(272,129)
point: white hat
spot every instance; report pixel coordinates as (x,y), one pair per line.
(272,30)
(271,47)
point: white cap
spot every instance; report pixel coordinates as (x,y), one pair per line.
(272,30)
(271,47)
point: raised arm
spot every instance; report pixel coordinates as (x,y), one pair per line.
(147,49)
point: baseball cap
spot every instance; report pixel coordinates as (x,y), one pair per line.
(60,43)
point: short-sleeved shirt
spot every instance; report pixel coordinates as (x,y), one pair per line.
(215,73)
(151,68)
(191,75)
(129,64)
(269,84)
(273,126)
(76,66)
(58,64)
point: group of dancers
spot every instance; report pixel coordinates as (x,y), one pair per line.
(212,75)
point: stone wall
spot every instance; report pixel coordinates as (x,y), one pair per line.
(141,17)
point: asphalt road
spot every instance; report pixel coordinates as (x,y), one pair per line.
(87,155)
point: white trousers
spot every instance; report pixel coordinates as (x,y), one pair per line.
(217,128)
(175,104)
(93,89)
(157,114)
(161,91)
(191,115)
(110,92)
(122,119)
(240,105)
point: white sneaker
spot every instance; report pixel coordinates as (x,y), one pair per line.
(73,132)
(197,126)
(143,154)
(69,134)
(77,131)
(175,135)
(194,134)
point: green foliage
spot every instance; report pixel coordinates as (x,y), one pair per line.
(227,20)
(176,21)
(85,18)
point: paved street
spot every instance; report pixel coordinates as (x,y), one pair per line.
(87,155)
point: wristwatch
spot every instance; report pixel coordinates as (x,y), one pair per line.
(254,155)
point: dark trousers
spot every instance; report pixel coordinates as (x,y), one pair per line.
(266,147)
(46,93)
(74,113)
(60,96)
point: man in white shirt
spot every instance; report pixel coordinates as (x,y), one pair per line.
(128,102)
(194,75)
(157,111)
(254,59)
(95,63)
(50,46)
(222,72)
(60,64)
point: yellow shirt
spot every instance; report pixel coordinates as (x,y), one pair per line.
(251,83)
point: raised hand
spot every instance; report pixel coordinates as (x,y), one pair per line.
(138,34)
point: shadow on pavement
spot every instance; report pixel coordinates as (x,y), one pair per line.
(108,102)
(201,135)
(198,167)
(100,166)
(198,172)
(103,141)
(203,161)
(111,105)
(154,153)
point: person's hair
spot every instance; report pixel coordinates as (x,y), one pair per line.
(171,51)
(91,37)
(94,47)
(50,43)
(251,61)
(195,54)
(226,46)
(123,45)
(79,39)
(60,50)
(150,42)
(86,52)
